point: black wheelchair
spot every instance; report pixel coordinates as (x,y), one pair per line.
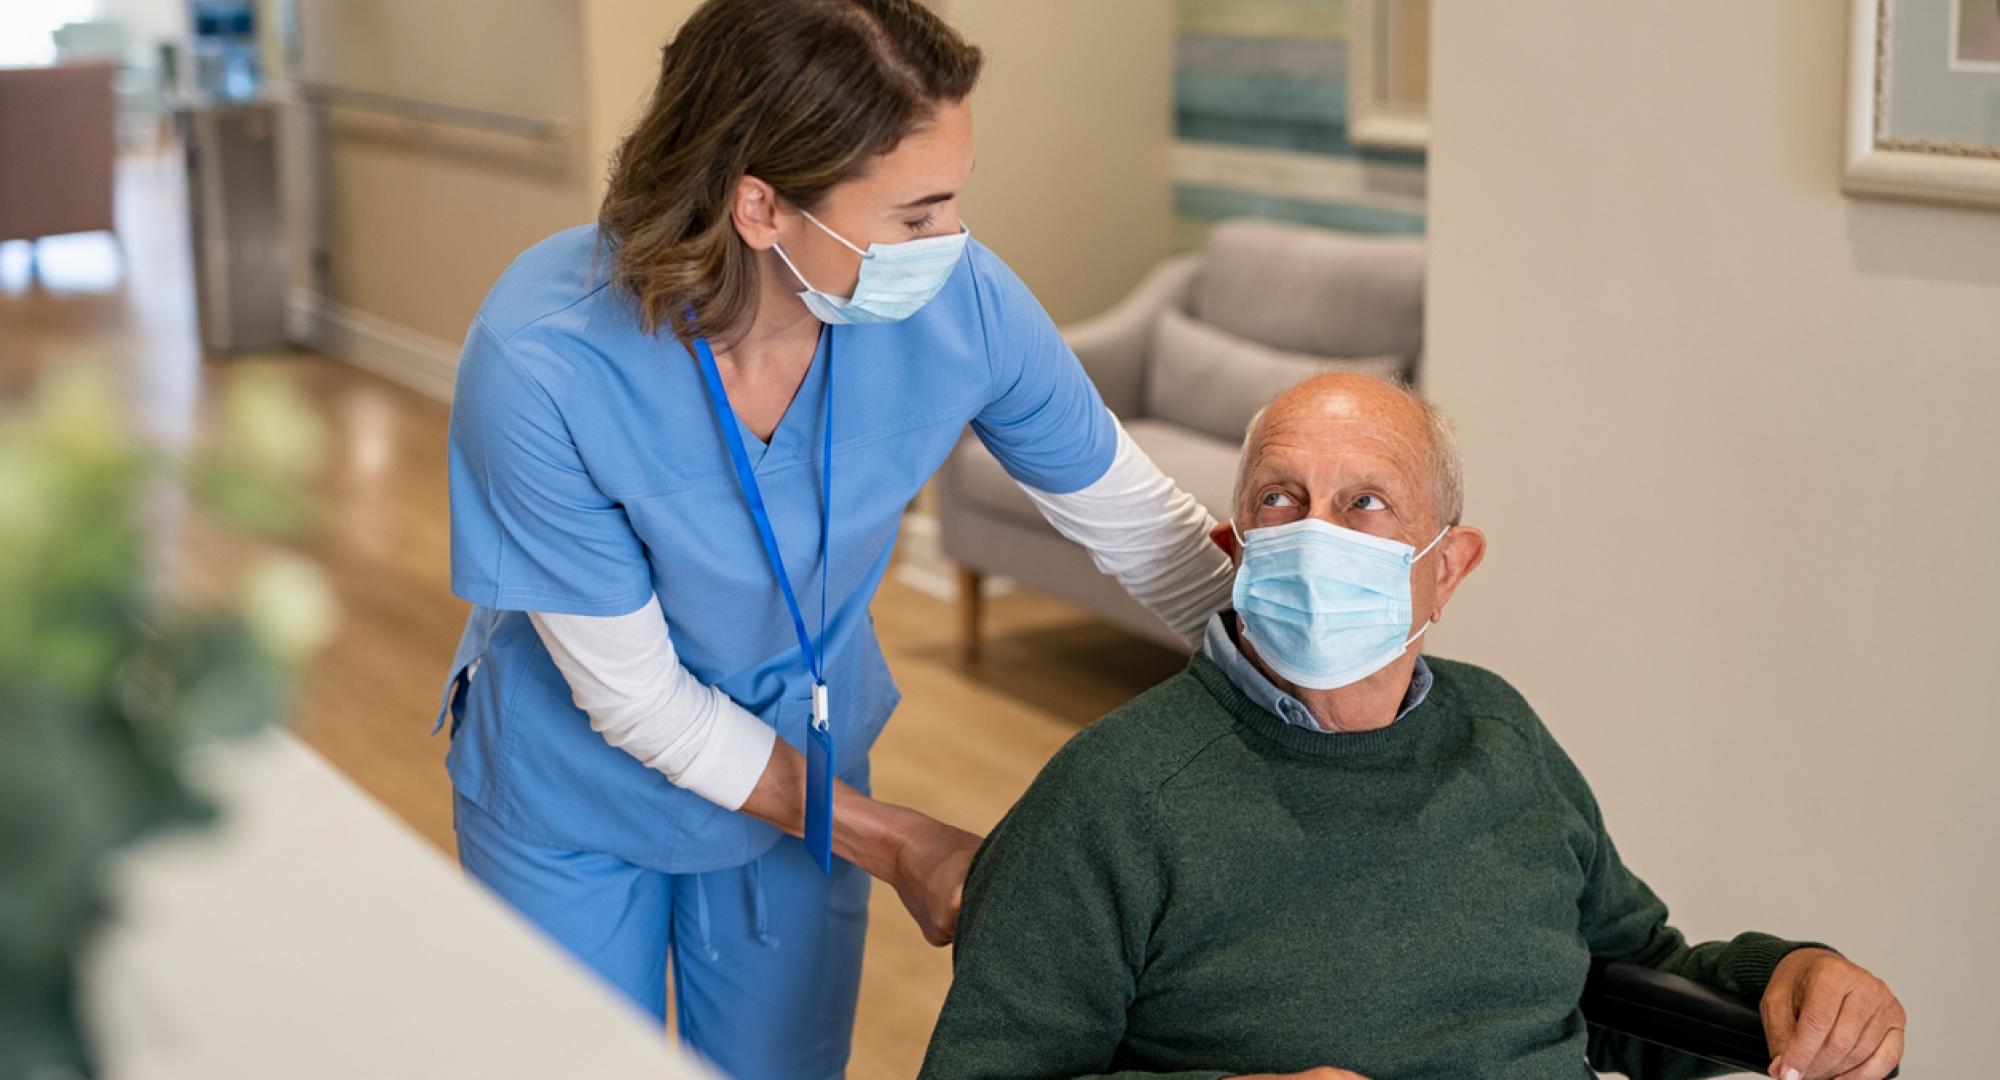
(1677,1014)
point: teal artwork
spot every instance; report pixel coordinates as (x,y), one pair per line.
(1260,121)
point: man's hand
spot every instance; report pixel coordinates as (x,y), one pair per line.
(929,874)
(1829,1018)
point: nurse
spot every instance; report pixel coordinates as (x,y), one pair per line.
(682,441)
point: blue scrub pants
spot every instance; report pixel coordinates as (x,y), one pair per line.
(766,957)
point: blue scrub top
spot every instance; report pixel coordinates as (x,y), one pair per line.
(587,474)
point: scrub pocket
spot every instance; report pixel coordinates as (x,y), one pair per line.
(691,822)
(472,647)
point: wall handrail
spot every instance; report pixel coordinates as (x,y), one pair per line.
(543,128)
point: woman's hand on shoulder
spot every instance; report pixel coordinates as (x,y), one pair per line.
(929,874)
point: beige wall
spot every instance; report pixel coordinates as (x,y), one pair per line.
(418,218)
(1074,117)
(1732,435)
(416,233)
(1072,127)
(622,41)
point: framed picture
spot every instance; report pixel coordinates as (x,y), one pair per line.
(1388,74)
(1975,37)
(1923,101)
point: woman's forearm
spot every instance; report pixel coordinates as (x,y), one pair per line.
(866,832)
(624,673)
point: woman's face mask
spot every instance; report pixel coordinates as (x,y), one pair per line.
(896,279)
(1325,606)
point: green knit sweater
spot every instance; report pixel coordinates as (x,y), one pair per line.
(1194,888)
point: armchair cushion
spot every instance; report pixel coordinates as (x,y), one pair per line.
(979,480)
(1313,291)
(1204,466)
(1213,381)
(1113,346)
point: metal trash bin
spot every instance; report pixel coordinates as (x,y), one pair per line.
(234,223)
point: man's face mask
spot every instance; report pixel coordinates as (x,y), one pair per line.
(1326,606)
(896,279)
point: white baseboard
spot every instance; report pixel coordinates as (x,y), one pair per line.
(921,564)
(419,361)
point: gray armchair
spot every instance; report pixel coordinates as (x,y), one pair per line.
(1184,361)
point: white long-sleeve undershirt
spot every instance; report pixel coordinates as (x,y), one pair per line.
(1149,535)
(624,673)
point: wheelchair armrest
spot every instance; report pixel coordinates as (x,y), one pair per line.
(1676,1013)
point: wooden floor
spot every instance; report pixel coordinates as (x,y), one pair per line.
(965,742)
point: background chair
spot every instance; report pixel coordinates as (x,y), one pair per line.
(1185,360)
(58,150)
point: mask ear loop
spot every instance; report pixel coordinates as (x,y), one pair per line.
(835,235)
(1435,540)
(1428,623)
(1429,546)
(793,267)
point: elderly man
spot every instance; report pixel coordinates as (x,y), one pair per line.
(1314,852)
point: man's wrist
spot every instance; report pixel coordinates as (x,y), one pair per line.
(1755,958)
(1802,954)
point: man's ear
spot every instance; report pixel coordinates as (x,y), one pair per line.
(1459,553)
(1224,537)
(753,208)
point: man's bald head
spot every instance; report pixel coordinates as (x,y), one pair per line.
(1377,425)
(1369,456)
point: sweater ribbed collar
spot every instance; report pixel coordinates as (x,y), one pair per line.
(1398,739)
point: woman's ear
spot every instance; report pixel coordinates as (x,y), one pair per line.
(754,210)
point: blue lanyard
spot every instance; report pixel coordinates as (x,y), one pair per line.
(725,418)
(820,759)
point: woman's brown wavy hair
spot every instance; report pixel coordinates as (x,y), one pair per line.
(798,93)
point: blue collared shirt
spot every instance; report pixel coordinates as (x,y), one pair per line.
(1221,647)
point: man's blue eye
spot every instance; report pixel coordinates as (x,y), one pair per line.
(1362,503)
(1271,498)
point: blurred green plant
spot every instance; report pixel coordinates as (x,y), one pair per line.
(105,681)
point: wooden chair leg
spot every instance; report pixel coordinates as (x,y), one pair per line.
(971,601)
